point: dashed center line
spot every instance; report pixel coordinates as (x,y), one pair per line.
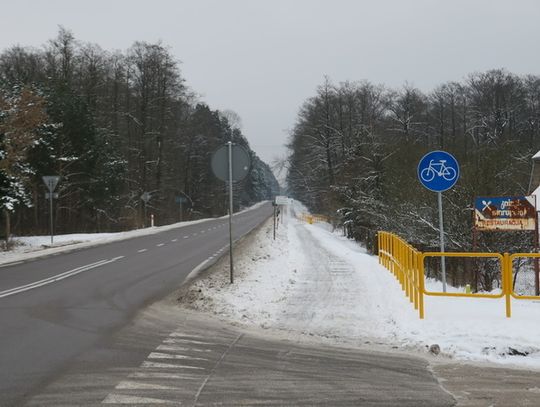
(141,250)
(160,244)
(186,237)
(174,240)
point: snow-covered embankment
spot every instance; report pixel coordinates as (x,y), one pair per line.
(313,283)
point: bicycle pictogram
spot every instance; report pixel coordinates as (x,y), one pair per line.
(439,169)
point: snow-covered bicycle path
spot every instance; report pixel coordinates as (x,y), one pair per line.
(313,284)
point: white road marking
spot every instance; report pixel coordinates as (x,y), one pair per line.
(203,231)
(147,364)
(174,240)
(194,234)
(130,400)
(186,237)
(169,348)
(58,277)
(160,244)
(142,250)
(178,337)
(159,355)
(11,264)
(196,270)
(224,354)
(161,375)
(131,385)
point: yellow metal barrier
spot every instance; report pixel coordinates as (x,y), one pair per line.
(404,261)
(506,279)
(309,218)
(511,274)
(407,265)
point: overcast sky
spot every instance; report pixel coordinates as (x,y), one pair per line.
(262,59)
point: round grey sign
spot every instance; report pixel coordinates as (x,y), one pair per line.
(241,163)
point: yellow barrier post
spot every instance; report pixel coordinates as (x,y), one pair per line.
(379,247)
(399,262)
(392,253)
(409,272)
(421,288)
(386,250)
(401,265)
(406,270)
(415,276)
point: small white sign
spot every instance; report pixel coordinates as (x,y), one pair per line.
(51,181)
(282,200)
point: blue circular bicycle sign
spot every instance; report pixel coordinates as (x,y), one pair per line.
(438,171)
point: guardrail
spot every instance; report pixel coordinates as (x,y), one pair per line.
(404,261)
(408,266)
(309,218)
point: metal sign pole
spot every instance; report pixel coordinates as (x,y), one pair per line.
(228,170)
(441,234)
(274,221)
(145,215)
(230,211)
(51,213)
(51,181)
(438,171)
(181,211)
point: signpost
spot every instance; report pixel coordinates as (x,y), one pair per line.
(282,200)
(505,213)
(180,200)
(231,163)
(438,171)
(508,213)
(51,181)
(145,197)
(274,205)
(279,200)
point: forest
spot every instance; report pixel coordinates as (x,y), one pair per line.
(355,147)
(112,125)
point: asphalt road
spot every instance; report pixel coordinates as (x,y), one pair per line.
(113,333)
(173,356)
(54,309)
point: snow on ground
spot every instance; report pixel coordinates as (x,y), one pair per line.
(311,282)
(28,247)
